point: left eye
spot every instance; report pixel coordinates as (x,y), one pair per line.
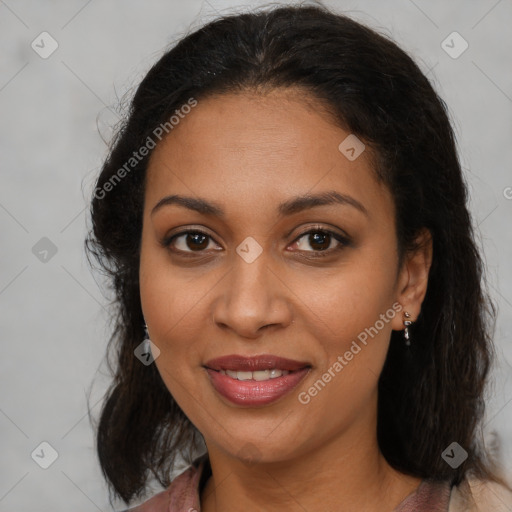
(320,240)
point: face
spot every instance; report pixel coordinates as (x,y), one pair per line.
(258,271)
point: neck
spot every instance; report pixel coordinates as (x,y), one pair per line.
(348,470)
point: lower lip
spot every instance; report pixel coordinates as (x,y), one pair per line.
(252,392)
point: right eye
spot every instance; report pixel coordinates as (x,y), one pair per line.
(188,241)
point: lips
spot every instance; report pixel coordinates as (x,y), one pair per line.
(238,363)
(257,380)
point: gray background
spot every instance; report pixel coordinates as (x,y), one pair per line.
(54,114)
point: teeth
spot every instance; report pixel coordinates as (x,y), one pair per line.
(257,375)
(261,375)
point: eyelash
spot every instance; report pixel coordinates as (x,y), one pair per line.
(342,240)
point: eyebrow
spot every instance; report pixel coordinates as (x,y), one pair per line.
(294,205)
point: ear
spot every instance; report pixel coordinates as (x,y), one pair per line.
(412,280)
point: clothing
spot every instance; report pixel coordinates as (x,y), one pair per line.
(431,496)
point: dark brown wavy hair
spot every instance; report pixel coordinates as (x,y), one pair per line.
(429,395)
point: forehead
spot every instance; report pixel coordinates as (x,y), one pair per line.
(260,147)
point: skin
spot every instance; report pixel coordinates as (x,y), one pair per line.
(249,152)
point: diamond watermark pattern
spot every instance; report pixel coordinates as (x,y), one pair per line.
(44,250)
(249,249)
(44,45)
(351,147)
(44,455)
(454,455)
(147,352)
(454,45)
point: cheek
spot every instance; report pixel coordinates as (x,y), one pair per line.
(176,304)
(177,314)
(171,297)
(348,313)
(353,341)
(345,301)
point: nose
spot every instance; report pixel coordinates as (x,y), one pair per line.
(251,299)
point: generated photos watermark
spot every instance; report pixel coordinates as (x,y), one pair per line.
(305,397)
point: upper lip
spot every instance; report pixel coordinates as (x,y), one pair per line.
(240,363)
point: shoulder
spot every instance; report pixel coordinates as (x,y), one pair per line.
(475,495)
(182,494)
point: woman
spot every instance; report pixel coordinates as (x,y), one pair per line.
(283,215)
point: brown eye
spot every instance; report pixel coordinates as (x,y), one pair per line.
(188,241)
(320,240)
(196,241)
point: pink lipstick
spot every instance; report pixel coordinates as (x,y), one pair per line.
(256,380)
